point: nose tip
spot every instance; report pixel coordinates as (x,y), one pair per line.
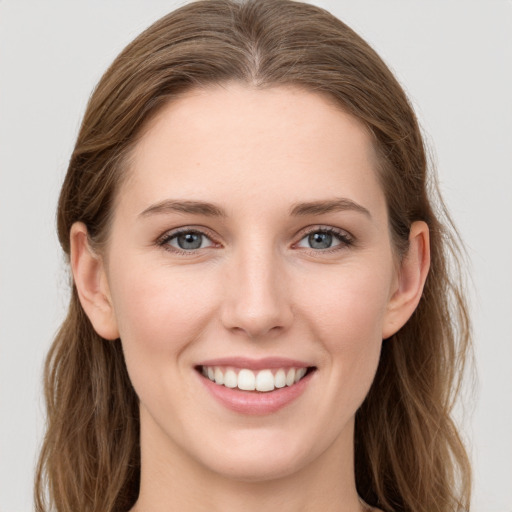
(257,303)
(255,323)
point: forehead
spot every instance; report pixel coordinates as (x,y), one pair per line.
(236,141)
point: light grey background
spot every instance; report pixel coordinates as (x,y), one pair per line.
(454,59)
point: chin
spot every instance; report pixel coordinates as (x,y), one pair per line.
(257,469)
(258,459)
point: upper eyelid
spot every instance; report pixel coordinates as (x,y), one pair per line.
(170,233)
(321,227)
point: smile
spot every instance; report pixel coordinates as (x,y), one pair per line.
(255,386)
(245,379)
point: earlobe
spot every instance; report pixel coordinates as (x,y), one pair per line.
(412,275)
(91,283)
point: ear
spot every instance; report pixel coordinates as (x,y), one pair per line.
(91,283)
(412,274)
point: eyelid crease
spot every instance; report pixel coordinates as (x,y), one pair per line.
(343,233)
(193,228)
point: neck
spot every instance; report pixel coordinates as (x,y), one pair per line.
(172,481)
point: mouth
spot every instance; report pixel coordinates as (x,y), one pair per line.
(255,390)
(263,380)
(255,386)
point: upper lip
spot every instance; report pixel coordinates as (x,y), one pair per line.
(256,364)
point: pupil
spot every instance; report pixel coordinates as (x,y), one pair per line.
(190,241)
(320,240)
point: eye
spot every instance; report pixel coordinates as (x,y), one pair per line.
(324,239)
(185,241)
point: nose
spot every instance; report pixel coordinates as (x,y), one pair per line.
(257,301)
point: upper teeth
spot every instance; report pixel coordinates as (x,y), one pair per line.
(247,380)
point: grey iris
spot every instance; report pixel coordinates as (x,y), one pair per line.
(320,240)
(190,240)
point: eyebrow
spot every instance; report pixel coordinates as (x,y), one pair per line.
(297,210)
(193,207)
(321,207)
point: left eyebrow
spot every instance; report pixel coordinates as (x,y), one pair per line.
(321,207)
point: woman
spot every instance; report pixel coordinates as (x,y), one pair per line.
(253,321)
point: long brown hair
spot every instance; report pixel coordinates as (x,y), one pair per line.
(408,453)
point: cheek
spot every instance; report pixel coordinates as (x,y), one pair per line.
(349,306)
(347,322)
(159,311)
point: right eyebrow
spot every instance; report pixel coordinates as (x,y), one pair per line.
(194,207)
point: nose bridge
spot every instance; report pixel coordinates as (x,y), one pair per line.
(257,301)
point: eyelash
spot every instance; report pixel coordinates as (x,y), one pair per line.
(164,240)
(344,238)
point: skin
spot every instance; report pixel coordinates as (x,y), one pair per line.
(255,289)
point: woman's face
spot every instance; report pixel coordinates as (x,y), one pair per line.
(251,240)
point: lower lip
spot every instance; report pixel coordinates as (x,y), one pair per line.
(255,402)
